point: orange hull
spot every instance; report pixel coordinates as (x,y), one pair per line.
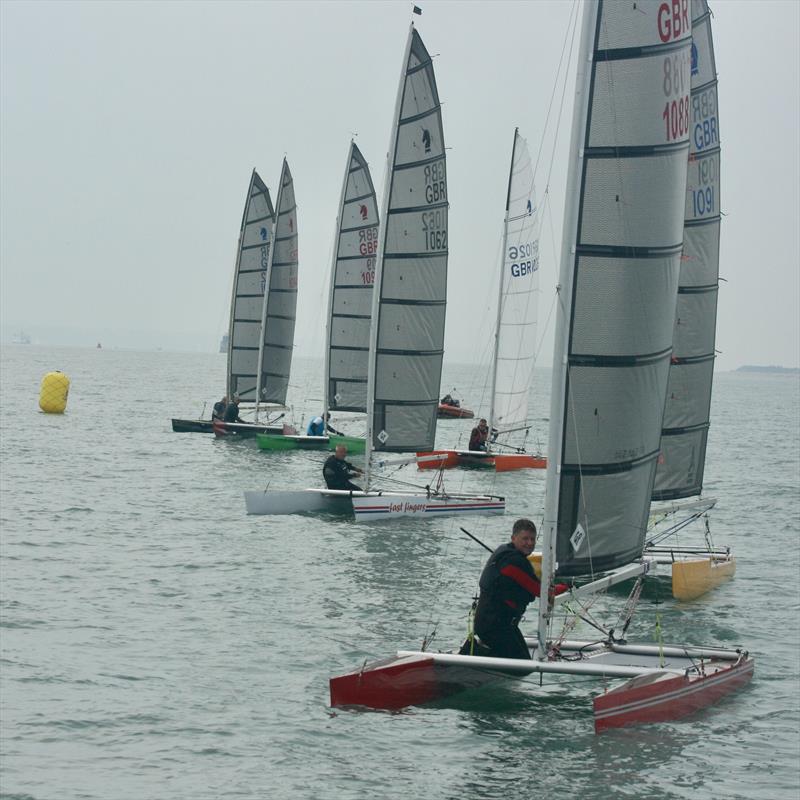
(512,461)
(501,462)
(454,411)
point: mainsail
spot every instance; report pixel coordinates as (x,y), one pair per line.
(515,338)
(249,282)
(350,299)
(407,340)
(623,237)
(277,338)
(686,415)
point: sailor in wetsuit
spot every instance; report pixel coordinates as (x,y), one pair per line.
(337,472)
(232,411)
(508,583)
(219,408)
(479,435)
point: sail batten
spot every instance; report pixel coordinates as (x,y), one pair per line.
(620,264)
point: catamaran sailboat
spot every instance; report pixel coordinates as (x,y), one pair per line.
(349,310)
(263,308)
(622,241)
(515,331)
(407,320)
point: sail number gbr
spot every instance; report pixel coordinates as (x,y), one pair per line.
(434,227)
(524,259)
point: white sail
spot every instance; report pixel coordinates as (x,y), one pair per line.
(407,341)
(623,237)
(515,337)
(277,340)
(350,300)
(249,282)
(686,416)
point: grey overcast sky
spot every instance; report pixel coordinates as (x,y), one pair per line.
(129,129)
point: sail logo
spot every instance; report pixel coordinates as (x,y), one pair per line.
(578,535)
(524,259)
(264,234)
(363,211)
(530,207)
(426,140)
(695,68)
(673,20)
(291,225)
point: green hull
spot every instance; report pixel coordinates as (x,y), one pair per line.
(355,444)
(267,441)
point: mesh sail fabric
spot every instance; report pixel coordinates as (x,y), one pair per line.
(624,281)
(351,293)
(686,415)
(515,348)
(280,305)
(411,275)
(249,282)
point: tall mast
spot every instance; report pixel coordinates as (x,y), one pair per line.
(331,287)
(561,349)
(500,284)
(266,289)
(376,288)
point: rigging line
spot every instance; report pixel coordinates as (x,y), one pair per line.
(570,23)
(561,109)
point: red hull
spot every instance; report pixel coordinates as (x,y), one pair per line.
(390,684)
(402,681)
(501,462)
(455,412)
(669,698)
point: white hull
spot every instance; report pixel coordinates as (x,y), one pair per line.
(368,505)
(387,506)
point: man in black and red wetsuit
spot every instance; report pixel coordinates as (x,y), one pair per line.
(337,472)
(508,583)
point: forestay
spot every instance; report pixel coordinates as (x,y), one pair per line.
(686,415)
(515,338)
(249,282)
(411,274)
(280,304)
(619,277)
(350,300)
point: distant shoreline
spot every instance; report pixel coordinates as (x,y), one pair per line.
(772,369)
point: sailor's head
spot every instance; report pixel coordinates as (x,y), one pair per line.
(523,536)
(482,424)
(341,451)
(235,399)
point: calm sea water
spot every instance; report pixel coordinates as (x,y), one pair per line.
(156,642)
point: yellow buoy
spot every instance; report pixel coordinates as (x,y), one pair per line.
(54,391)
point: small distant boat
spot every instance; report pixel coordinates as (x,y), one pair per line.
(448,411)
(21,338)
